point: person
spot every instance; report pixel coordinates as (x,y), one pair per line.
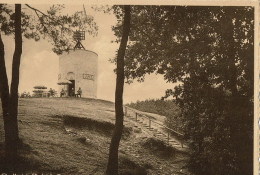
(72,92)
(62,92)
(50,94)
(79,92)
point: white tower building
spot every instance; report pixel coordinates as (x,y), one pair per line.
(79,67)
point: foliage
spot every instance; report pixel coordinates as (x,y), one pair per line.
(209,51)
(52,25)
(167,108)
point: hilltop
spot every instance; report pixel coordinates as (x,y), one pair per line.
(72,136)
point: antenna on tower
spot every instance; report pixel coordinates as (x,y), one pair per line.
(78,36)
(84,11)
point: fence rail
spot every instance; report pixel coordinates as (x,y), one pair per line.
(151,120)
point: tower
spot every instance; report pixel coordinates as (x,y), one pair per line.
(78,67)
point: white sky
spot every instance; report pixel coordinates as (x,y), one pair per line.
(39,65)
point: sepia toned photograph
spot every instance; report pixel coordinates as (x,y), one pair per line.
(127,89)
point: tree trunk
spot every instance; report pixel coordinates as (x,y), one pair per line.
(10,100)
(112,166)
(4,87)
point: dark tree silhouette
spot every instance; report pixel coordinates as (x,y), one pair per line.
(112,166)
(10,99)
(209,52)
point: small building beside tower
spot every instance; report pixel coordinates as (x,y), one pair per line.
(78,67)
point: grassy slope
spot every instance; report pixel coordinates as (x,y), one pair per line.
(52,145)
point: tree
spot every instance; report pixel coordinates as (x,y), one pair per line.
(10,100)
(209,52)
(56,28)
(112,166)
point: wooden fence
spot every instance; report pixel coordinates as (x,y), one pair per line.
(151,121)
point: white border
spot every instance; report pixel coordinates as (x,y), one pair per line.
(254,3)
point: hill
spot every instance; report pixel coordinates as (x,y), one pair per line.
(72,136)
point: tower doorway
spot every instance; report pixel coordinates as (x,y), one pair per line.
(71,88)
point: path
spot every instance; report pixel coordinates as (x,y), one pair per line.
(152,125)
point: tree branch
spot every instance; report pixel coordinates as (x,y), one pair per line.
(36,10)
(43,23)
(47,16)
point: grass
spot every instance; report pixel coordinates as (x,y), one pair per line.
(72,136)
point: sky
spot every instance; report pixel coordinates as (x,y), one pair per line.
(40,66)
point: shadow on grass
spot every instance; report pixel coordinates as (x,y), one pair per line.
(159,148)
(102,127)
(23,164)
(129,167)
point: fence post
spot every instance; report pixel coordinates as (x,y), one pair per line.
(149,122)
(125,111)
(136,114)
(168,137)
